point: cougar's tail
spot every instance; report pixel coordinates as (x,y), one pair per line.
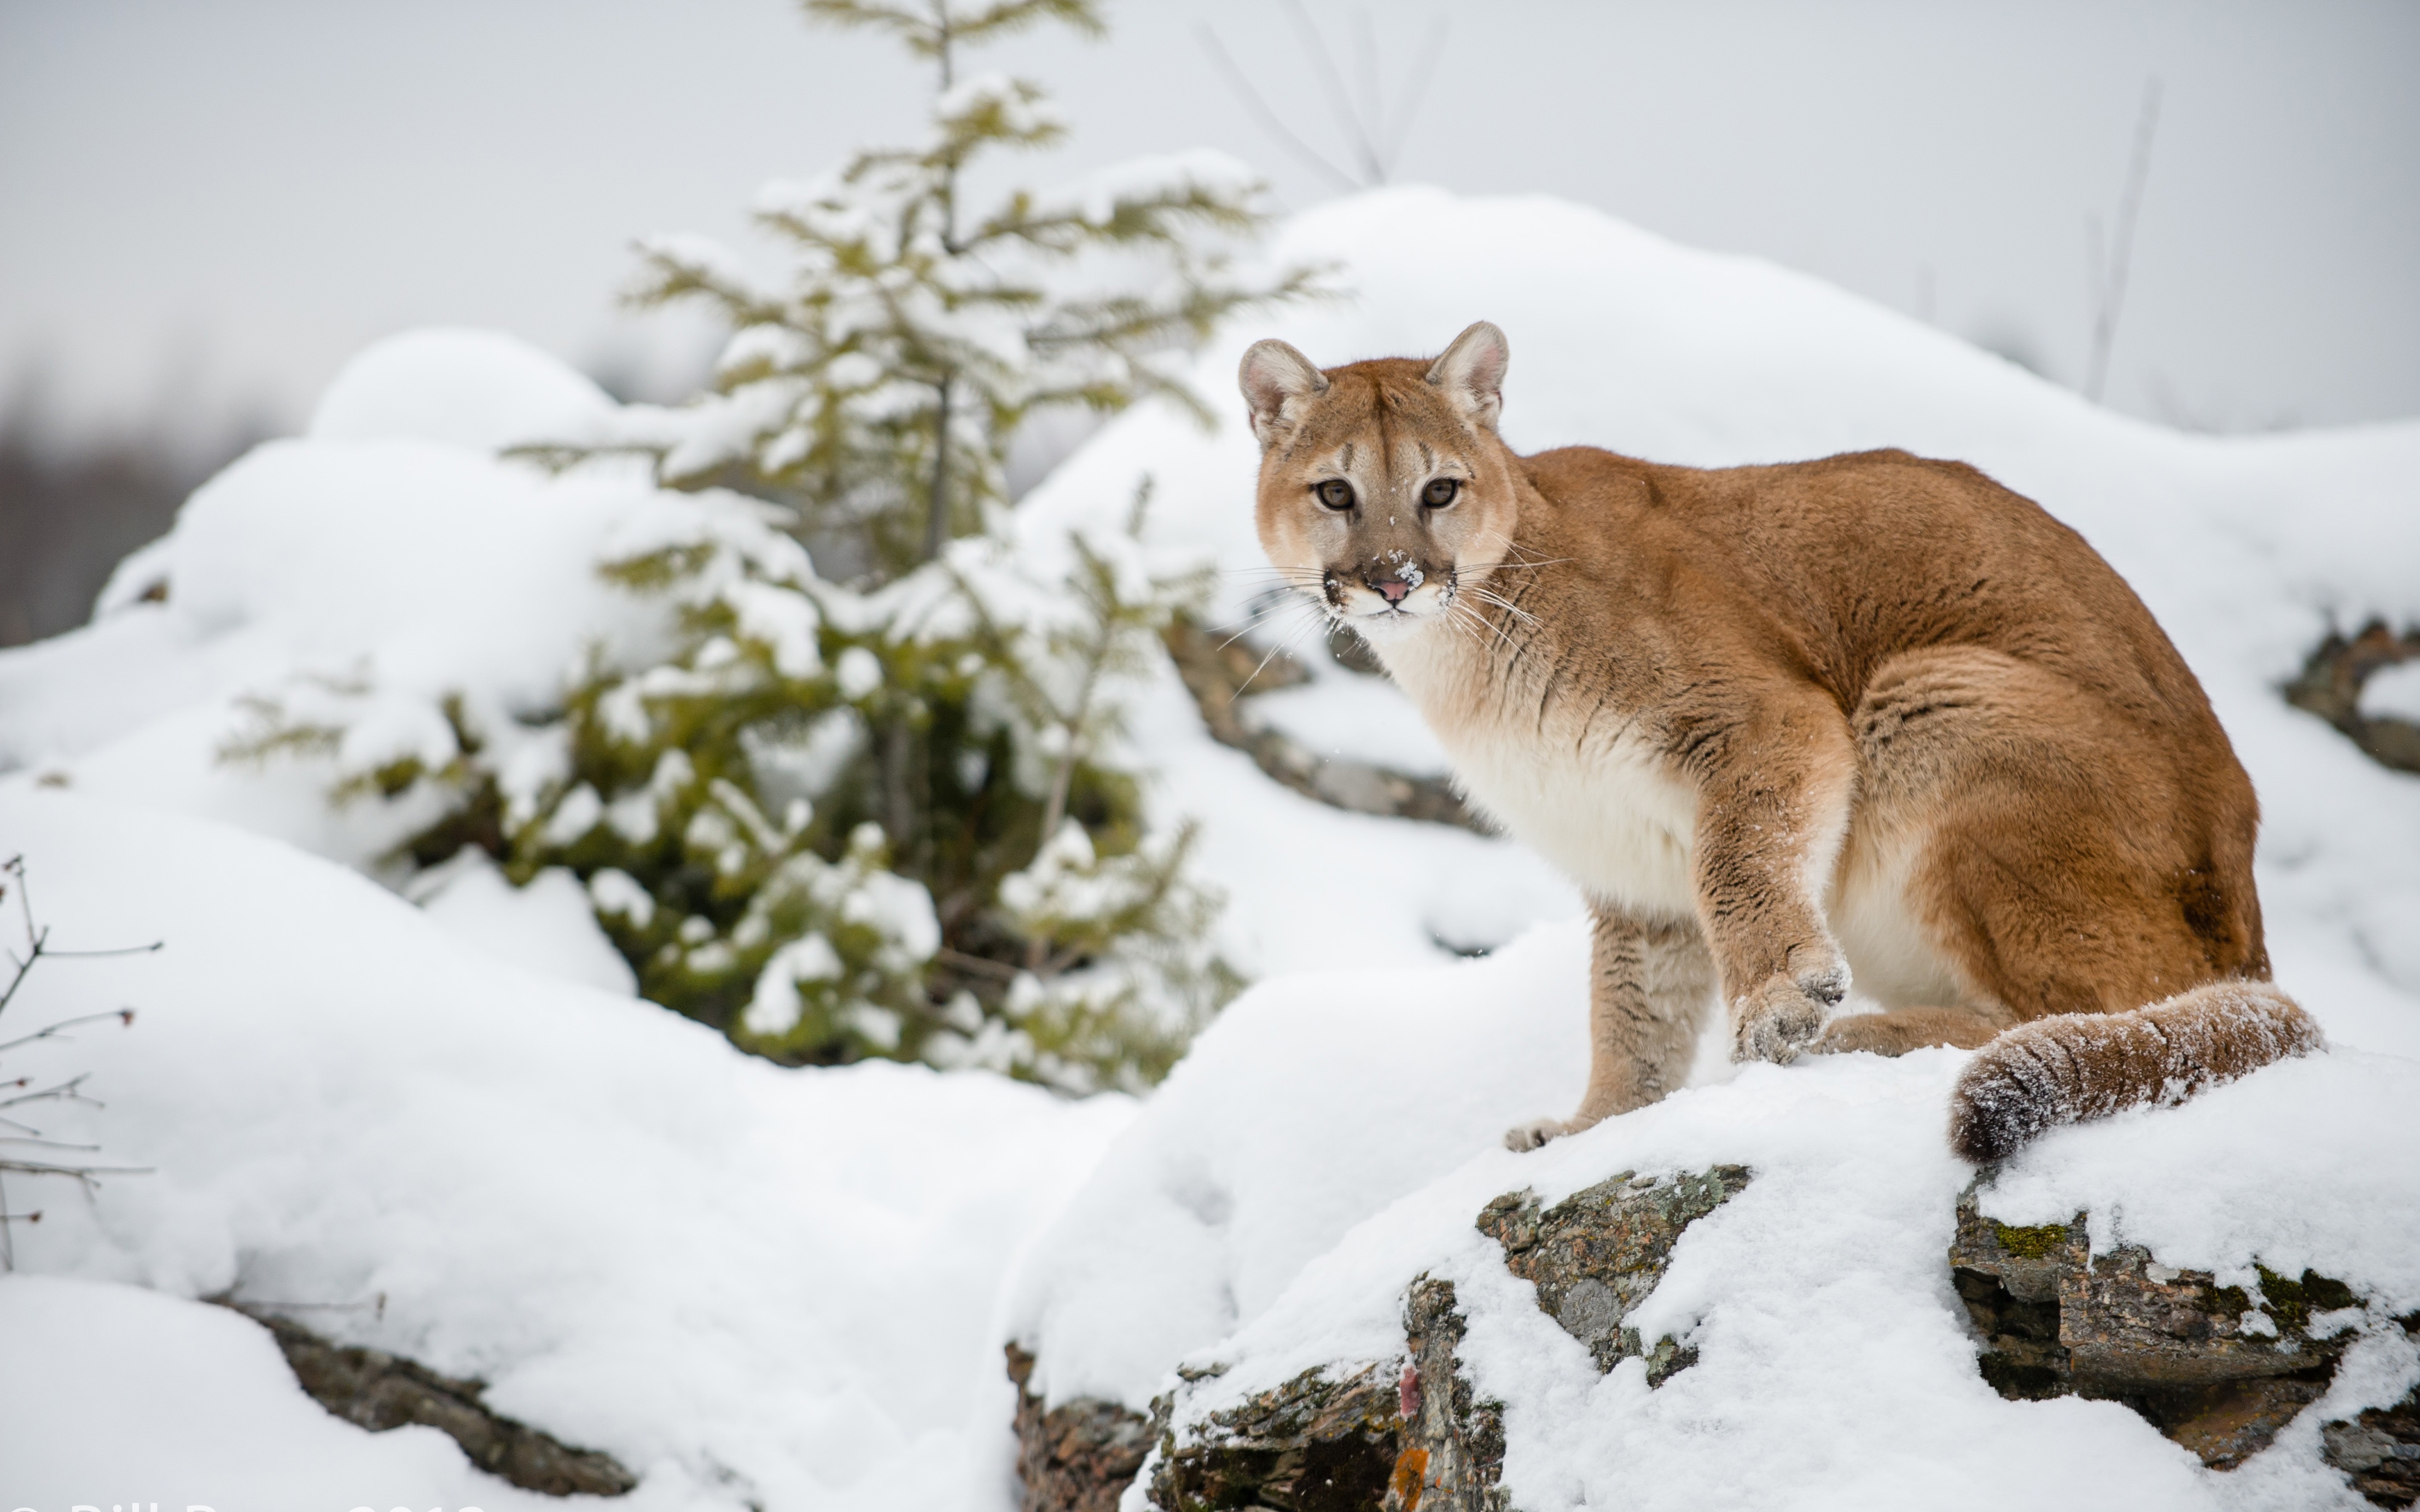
(2078,1066)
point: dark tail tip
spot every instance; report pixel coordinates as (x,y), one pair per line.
(1995,1111)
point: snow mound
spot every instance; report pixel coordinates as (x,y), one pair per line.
(1346,1106)
(479,389)
(549,926)
(748,1284)
(375,578)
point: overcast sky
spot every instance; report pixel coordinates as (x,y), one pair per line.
(206,205)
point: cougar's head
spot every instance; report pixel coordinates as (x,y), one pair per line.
(1384,491)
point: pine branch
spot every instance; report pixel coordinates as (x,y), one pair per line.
(926,29)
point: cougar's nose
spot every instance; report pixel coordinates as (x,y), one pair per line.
(1394,588)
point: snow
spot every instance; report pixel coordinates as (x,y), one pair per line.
(2393,693)
(1358,716)
(790,1288)
(481,389)
(1203,174)
(745,1282)
(549,927)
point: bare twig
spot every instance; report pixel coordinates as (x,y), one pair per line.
(38,939)
(2109,277)
(38,947)
(123,1015)
(1268,118)
(1373,134)
(1340,97)
(1416,90)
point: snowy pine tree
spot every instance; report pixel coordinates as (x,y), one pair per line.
(882,808)
(877,383)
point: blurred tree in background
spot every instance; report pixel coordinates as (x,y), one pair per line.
(873,799)
(70,510)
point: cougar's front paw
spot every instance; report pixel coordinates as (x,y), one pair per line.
(1537,1131)
(1786,1012)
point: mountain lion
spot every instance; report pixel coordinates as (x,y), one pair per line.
(1872,713)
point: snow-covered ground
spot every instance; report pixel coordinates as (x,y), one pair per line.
(747,1283)
(790,1287)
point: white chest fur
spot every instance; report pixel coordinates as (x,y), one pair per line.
(1598,802)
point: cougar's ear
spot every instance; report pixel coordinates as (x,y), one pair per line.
(1471,373)
(1274,373)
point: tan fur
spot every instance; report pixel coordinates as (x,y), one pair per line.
(1870,714)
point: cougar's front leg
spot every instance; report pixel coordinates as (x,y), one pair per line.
(1647,985)
(1774,801)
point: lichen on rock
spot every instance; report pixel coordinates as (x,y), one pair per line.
(1595,1255)
(2380,1449)
(1411,1433)
(2218,1369)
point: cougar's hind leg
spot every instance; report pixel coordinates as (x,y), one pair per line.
(1650,986)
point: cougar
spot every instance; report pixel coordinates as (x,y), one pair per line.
(1872,717)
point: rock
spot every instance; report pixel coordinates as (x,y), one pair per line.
(1404,1435)
(1408,1434)
(1217,668)
(1596,1255)
(2215,1368)
(2330,686)
(1325,1442)
(2381,1448)
(1079,1456)
(1453,1446)
(379,1391)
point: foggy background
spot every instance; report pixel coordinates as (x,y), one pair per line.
(206,208)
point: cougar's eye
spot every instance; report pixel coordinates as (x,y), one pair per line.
(1334,493)
(1441,492)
